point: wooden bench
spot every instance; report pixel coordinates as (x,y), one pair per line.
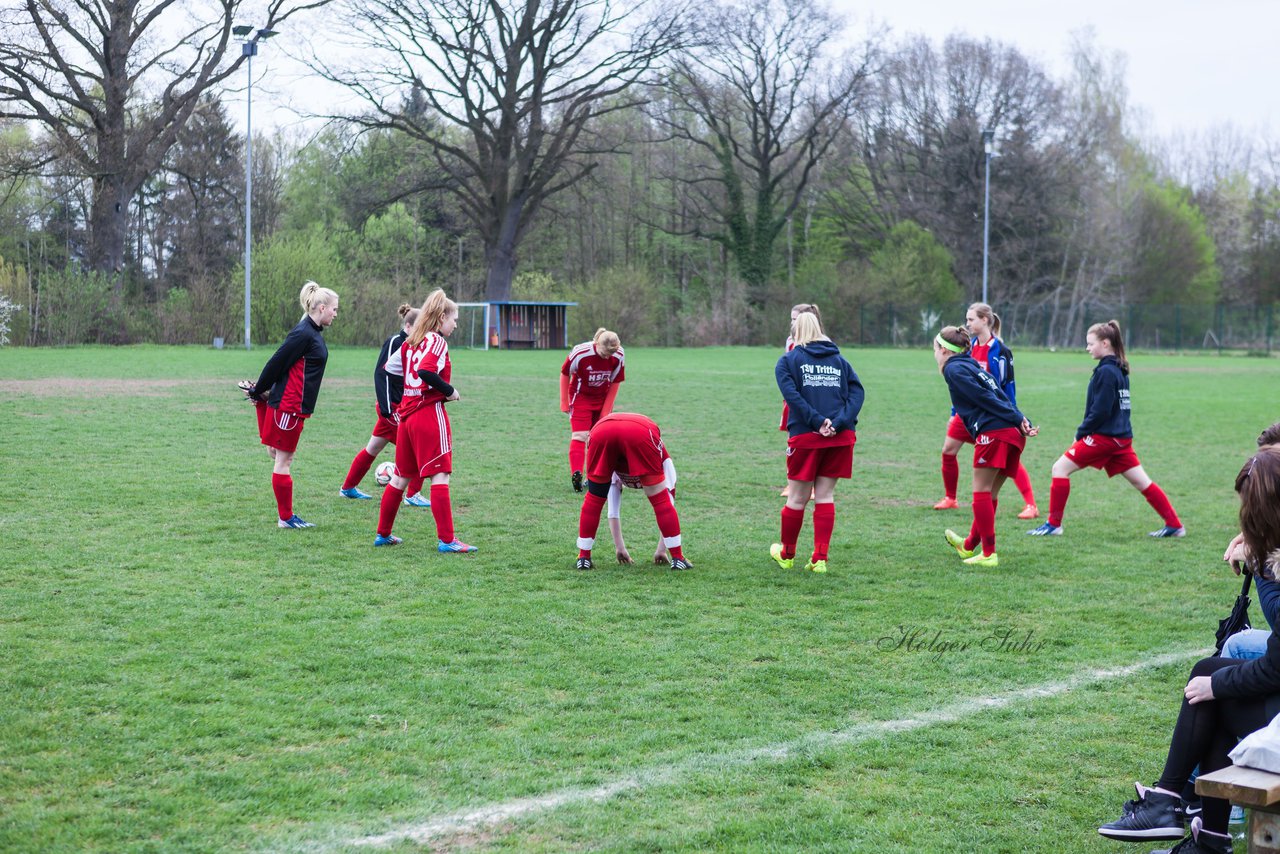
(1259,792)
(520,343)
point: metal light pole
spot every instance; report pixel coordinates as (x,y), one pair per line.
(249,49)
(988,144)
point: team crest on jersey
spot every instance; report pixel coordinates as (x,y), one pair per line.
(1088,440)
(983,439)
(790,451)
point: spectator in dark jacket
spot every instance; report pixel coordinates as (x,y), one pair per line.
(824,397)
(1224,699)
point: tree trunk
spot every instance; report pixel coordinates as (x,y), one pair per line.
(501,254)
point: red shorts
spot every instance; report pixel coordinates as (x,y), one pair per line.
(279,430)
(627,443)
(582,419)
(999,449)
(1114,455)
(424,443)
(809,464)
(385,428)
(956,430)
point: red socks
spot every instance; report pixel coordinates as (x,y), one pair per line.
(282,486)
(387,510)
(1059,491)
(984,520)
(443,512)
(577,455)
(950,475)
(824,522)
(668,521)
(359,468)
(415,486)
(589,523)
(1160,503)
(1022,480)
(792,522)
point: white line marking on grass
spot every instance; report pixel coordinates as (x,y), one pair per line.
(473,820)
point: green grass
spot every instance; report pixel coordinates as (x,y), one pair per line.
(179,674)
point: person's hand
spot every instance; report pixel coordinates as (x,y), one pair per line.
(1236,555)
(1199,690)
(623,555)
(661,557)
(453,396)
(1027,428)
(249,387)
(826,429)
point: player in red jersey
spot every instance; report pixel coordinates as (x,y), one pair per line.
(991,354)
(824,397)
(631,446)
(285,393)
(424,442)
(589,381)
(388,389)
(1104,440)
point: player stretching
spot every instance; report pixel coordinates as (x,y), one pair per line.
(1104,440)
(387,388)
(588,384)
(823,398)
(630,445)
(995,358)
(286,391)
(999,433)
(424,442)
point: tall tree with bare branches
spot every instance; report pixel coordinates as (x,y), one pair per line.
(504,93)
(113,82)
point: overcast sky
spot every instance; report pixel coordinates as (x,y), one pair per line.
(1191,64)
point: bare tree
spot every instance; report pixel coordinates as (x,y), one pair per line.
(758,95)
(512,88)
(113,82)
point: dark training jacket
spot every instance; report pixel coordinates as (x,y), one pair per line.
(294,373)
(1106,406)
(389,388)
(977,398)
(818,383)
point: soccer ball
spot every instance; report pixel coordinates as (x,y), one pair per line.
(384,472)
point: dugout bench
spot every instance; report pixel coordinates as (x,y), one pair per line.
(1258,792)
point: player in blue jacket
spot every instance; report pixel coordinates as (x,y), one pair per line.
(824,397)
(1104,440)
(999,433)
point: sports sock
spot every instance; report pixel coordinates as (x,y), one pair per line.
(589,522)
(1059,491)
(950,475)
(442,510)
(984,518)
(415,486)
(824,522)
(577,455)
(974,539)
(359,468)
(282,486)
(1160,503)
(388,508)
(792,522)
(668,522)
(1022,480)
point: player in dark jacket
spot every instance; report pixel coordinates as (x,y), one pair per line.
(999,433)
(388,389)
(1104,440)
(824,397)
(1224,699)
(286,391)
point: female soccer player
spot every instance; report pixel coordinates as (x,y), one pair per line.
(1224,698)
(1104,440)
(995,358)
(286,391)
(424,442)
(796,310)
(631,446)
(999,432)
(589,381)
(387,389)
(824,397)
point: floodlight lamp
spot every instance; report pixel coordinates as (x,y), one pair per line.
(266,34)
(242,30)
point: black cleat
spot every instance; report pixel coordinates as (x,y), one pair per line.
(585,563)
(577,481)
(680,563)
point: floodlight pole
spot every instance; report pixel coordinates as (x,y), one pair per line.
(988,138)
(249,49)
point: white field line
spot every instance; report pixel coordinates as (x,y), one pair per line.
(479,818)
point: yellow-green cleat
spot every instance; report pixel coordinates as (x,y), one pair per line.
(775,552)
(979,559)
(957,542)
(816,566)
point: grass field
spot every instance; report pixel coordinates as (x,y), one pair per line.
(179,674)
